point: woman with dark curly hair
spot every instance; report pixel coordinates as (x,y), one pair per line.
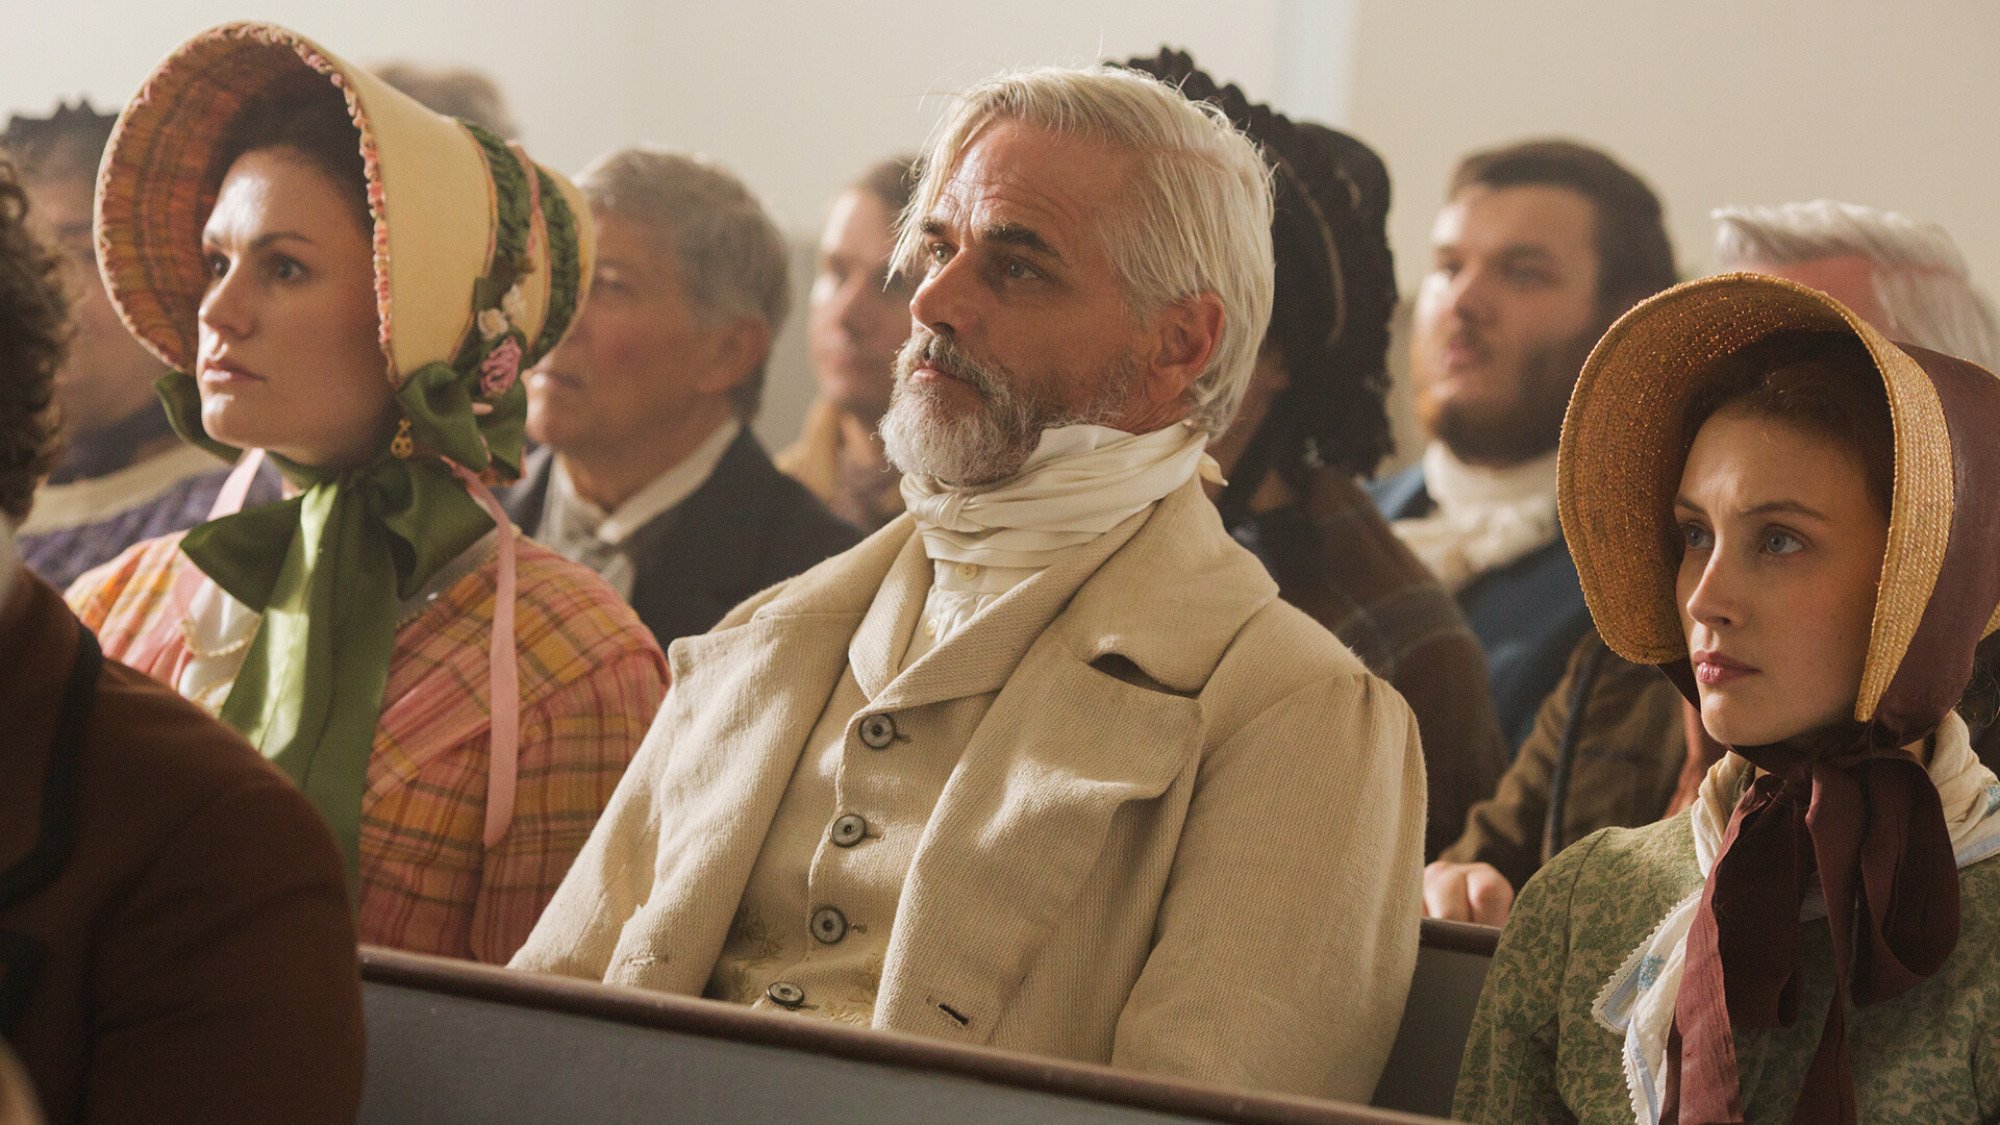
(1313,420)
(175,937)
(352,283)
(33,328)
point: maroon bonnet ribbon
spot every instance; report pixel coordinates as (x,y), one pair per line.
(1868,821)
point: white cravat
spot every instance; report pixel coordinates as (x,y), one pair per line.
(1080,482)
(583,532)
(1484,519)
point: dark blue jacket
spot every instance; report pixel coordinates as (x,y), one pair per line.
(747,527)
(1528,615)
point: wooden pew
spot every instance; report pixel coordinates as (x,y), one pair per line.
(452,1042)
(1452,958)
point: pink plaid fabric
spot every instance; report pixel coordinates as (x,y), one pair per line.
(591,680)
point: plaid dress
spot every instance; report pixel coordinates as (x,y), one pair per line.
(591,679)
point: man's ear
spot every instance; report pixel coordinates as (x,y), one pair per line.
(1185,336)
(736,349)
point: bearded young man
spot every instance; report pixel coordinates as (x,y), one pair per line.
(1045,764)
(1539,247)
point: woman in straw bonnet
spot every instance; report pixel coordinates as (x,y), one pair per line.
(353,283)
(1790,515)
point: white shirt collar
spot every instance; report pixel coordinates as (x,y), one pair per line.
(644,506)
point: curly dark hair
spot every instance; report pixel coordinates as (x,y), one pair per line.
(34,331)
(1336,288)
(67,143)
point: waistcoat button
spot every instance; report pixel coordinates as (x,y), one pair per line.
(878,731)
(828,925)
(847,831)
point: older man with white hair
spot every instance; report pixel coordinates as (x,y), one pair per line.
(1901,274)
(1045,764)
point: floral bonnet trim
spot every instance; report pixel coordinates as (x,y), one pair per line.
(472,410)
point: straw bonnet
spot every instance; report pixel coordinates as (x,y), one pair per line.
(445,273)
(1623,444)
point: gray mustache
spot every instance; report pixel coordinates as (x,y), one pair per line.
(938,351)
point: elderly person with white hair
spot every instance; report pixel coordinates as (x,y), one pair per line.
(1904,275)
(1045,764)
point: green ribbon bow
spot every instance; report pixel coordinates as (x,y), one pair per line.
(328,569)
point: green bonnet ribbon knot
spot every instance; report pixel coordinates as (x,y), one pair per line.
(328,569)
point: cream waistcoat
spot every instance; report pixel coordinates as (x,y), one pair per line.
(811,864)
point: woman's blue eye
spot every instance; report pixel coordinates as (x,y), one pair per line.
(287,269)
(1695,537)
(217,265)
(1782,543)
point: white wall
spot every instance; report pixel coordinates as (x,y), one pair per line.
(796,96)
(1715,101)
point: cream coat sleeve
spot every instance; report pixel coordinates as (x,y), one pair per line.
(1288,932)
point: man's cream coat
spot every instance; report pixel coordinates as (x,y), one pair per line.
(1186,837)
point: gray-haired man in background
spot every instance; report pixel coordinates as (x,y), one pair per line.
(648,471)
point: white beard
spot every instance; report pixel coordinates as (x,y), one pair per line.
(984,445)
(990,442)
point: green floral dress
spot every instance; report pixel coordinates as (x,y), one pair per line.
(1536,1053)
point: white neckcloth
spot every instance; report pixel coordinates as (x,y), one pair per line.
(1484,519)
(1638,1001)
(583,532)
(1080,482)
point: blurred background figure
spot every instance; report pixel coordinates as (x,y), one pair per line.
(18,1105)
(1313,420)
(123,476)
(1613,744)
(859,318)
(1539,247)
(1903,275)
(176,940)
(648,472)
(455,91)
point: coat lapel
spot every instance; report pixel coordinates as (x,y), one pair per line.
(698,559)
(985,654)
(528,497)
